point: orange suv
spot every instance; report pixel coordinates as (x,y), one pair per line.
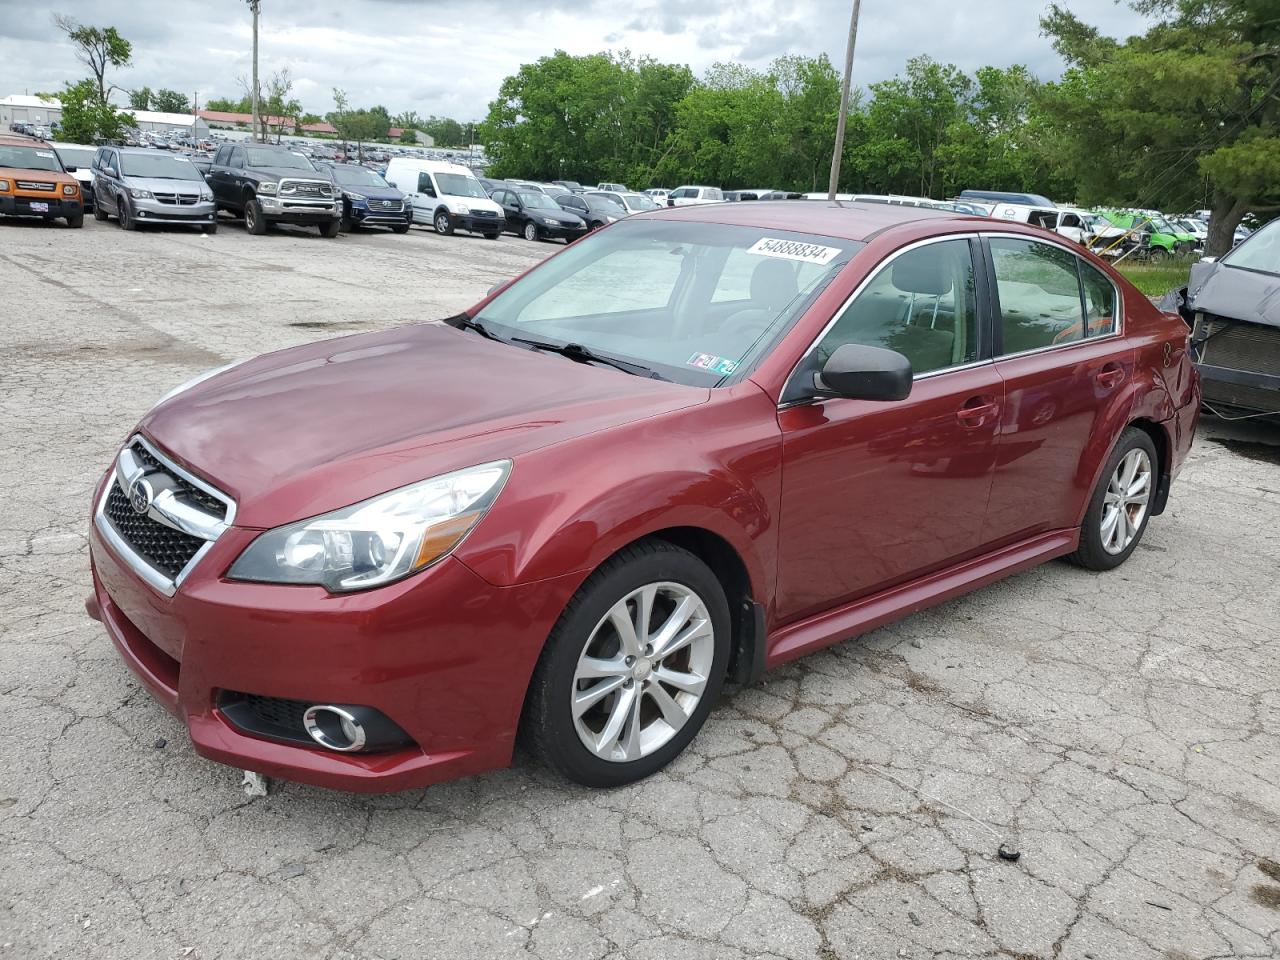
(33,183)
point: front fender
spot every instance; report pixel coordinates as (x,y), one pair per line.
(569,507)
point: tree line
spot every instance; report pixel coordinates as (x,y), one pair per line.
(1183,116)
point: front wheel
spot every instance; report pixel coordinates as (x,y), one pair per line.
(254,222)
(443,225)
(347,224)
(531,231)
(631,669)
(124,214)
(492,236)
(76,220)
(1121,504)
(329,230)
(401,228)
(210,228)
(1158,255)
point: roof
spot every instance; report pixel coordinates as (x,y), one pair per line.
(221,116)
(153,116)
(23,100)
(832,218)
(319,128)
(9,141)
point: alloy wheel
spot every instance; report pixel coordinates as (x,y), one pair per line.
(530,231)
(1124,506)
(642,672)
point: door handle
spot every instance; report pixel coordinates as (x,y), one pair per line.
(975,411)
(1110,375)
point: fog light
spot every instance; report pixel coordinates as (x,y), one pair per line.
(333,728)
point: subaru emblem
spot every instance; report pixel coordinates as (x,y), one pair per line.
(141,495)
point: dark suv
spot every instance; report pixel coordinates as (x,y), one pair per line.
(268,184)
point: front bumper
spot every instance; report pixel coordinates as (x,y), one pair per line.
(474,224)
(563,232)
(20,206)
(444,654)
(361,214)
(278,210)
(153,211)
(1242,389)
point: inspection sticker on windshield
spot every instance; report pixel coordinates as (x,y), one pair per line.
(794,250)
(705,361)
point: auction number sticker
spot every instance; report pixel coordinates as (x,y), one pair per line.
(794,250)
(47,154)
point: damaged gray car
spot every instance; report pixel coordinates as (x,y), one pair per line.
(1233,308)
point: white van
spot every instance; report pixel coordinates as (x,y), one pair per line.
(1077,225)
(446,195)
(690,196)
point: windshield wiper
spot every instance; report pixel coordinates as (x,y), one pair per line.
(576,351)
(463,322)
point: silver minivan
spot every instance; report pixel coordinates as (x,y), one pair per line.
(139,186)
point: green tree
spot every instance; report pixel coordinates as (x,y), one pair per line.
(97,48)
(86,118)
(227,105)
(1185,114)
(170,101)
(140,99)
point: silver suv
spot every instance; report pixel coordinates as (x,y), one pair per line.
(139,186)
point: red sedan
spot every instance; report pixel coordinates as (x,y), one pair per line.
(695,445)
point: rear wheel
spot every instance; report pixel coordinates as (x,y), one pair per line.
(531,231)
(632,668)
(254,222)
(1121,504)
(99,214)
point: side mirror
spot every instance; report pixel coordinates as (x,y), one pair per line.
(858,372)
(69,169)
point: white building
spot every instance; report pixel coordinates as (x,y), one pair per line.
(21,108)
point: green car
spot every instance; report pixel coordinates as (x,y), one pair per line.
(1164,240)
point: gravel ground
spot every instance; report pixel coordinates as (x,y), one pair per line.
(1119,730)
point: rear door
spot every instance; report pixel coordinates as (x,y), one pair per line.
(1065,365)
(874,493)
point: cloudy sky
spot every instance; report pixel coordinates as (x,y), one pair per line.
(447,57)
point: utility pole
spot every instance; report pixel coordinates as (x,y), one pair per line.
(255,6)
(838,153)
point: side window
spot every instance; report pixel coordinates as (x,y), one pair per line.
(1100,302)
(220,158)
(1069,220)
(923,305)
(1039,289)
(425,185)
(237,157)
(681,193)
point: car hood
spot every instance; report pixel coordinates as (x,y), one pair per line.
(564,216)
(1233,293)
(375,193)
(313,428)
(36,176)
(165,185)
(290,173)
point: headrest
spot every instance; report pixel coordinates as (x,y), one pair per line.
(773,284)
(923,271)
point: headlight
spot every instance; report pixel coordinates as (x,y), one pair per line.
(68,190)
(4,185)
(267,187)
(461,208)
(379,540)
(139,194)
(182,387)
(356,196)
(206,195)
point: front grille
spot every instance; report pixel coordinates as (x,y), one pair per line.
(485,214)
(177,199)
(305,188)
(166,549)
(35,185)
(202,497)
(273,717)
(1237,345)
(387,206)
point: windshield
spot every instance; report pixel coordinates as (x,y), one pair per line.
(358,177)
(460,185)
(635,201)
(158,166)
(278,158)
(29,158)
(75,156)
(693,301)
(538,201)
(1162,225)
(1260,252)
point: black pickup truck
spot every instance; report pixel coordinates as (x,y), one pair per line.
(268,184)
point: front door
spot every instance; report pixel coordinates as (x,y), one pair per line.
(876,493)
(1065,368)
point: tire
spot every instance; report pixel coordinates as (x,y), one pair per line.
(530,231)
(330,230)
(1158,255)
(442,223)
(346,224)
(254,222)
(549,727)
(210,228)
(1103,543)
(98,213)
(492,236)
(76,221)
(403,228)
(124,214)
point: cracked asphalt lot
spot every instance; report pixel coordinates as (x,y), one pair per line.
(1119,730)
